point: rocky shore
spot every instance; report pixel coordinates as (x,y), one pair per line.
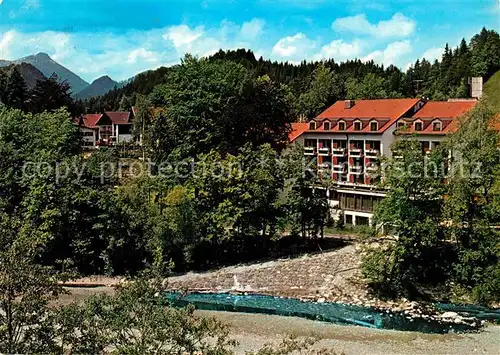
(326,277)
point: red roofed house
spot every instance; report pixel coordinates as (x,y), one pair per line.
(110,128)
(348,138)
(90,131)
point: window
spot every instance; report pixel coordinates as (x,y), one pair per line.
(436,126)
(88,134)
(125,129)
(327,126)
(401,124)
(312,125)
(417,126)
(373,126)
(357,126)
(341,126)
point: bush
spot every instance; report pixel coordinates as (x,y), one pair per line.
(136,321)
(488,291)
(377,267)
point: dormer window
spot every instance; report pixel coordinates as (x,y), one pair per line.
(436,126)
(341,126)
(373,126)
(401,124)
(326,126)
(312,125)
(357,126)
(417,126)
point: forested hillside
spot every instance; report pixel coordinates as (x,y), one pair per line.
(315,85)
(29,73)
(492,91)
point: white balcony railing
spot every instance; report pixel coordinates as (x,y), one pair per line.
(338,152)
(340,169)
(309,150)
(324,165)
(356,170)
(323,151)
(372,153)
(355,152)
(371,168)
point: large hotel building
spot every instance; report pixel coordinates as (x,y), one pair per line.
(349,137)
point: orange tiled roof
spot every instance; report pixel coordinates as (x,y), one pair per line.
(297,129)
(385,112)
(90,120)
(385,108)
(444,109)
(119,117)
(447,112)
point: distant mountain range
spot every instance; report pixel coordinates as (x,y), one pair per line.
(47,66)
(98,87)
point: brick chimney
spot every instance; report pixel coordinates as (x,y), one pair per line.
(349,103)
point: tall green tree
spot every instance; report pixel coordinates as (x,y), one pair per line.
(472,205)
(50,94)
(371,86)
(325,88)
(412,210)
(15,89)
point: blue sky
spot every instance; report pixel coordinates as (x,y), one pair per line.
(124,37)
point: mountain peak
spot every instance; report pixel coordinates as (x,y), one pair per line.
(98,87)
(104,78)
(42,55)
(48,66)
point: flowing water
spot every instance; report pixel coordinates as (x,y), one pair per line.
(328,312)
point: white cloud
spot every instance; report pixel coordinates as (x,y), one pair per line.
(433,53)
(1,2)
(182,35)
(5,43)
(252,28)
(398,26)
(31,4)
(290,46)
(392,54)
(340,50)
(142,54)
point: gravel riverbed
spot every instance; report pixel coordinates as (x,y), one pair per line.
(252,331)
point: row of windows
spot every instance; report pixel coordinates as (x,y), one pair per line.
(419,126)
(356,202)
(358,126)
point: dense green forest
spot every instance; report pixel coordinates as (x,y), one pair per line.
(315,85)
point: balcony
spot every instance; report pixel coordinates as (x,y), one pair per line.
(309,150)
(339,169)
(355,152)
(356,170)
(338,152)
(323,151)
(372,168)
(372,153)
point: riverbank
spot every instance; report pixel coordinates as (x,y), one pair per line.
(252,331)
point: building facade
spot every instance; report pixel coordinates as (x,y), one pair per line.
(106,129)
(348,139)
